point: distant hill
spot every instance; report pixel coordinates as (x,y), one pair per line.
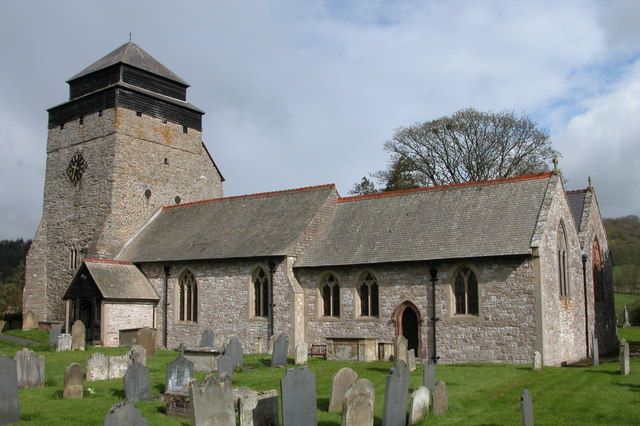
(623,234)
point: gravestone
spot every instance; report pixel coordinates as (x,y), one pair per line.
(234,350)
(342,381)
(64,343)
(146,337)
(400,349)
(411,359)
(626,317)
(526,408)
(29,321)
(78,336)
(138,354)
(179,374)
(53,335)
(280,351)
(30,368)
(358,404)
(225,365)
(420,399)
(136,383)
(429,375)
(212,402)
(2,324)
(73,376)
(298,397)
(246,405)
(440,399)
(625,366)
(123,414)
(118,365)
(396,391)
(272,341)
(9,402)
(259,409)
(537,361)
(301,354)
(97,367)
(595,352)
(206,340)
(260,344)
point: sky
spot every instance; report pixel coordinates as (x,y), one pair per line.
(301,93)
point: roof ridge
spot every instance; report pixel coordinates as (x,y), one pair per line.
(577,191)
(110,261)
(254,195)
(400,192)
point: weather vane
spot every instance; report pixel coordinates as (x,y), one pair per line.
(130,35)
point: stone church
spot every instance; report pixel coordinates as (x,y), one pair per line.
(135,232)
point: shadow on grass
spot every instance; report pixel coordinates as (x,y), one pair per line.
(611,373)
(631,386)
(161,409)
(118,393)
(323,404)
(379,369)
(58,394)
(159,387)
(31,416)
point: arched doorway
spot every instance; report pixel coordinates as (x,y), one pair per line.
(408,323)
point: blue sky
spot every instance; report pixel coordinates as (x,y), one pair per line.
(303,93)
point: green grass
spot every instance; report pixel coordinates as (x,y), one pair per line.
(622,299)
(478,393)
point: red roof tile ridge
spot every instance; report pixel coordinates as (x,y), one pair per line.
(110,261)
(255,195)
(488,182)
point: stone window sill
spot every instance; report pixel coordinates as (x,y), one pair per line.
(464,318)
(329,319)
(368,318)
(259,319)
(188,323)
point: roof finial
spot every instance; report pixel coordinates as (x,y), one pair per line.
(590,186)
(130,36)
(555,165)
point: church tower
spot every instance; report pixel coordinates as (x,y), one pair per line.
(126,143)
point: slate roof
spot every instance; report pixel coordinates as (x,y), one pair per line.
(576,200)
(131,54)
(256,225)
(490,218)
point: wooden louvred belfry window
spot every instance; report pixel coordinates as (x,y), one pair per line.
(260,293)
(330,296)
(465,290)
(368,291)
(188,302)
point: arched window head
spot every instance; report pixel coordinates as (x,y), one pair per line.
(368,292)
(261,293)
(465,290)
(188,295)
(330,291)
(597,269)
(563,264)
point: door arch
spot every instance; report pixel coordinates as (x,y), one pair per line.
(408,323)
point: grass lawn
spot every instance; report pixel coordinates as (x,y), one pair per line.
(487,394)
(622,299)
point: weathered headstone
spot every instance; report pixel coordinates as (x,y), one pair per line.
(136,383)
(625,365)
(9,402)
(358,404)
(64,343)
(179,374)
(73,378)
(395,395)
(400,349)
(411,359)
(30,368)
(440,399)
(420,399)
(595,352)
(97,367)
(146,337)
(537,361)
(526,408)
(206,340)
(301,354)
(626,317)
(259,409)
(138,354)
(212,402)
(272,341)
(29,321)
(225,365)
(298,397)
(78,335)
(280,351)
(2,324)
(53,335)
(342,381)
(429,376)
(118,365)
(235,351)
(246,405)
(123,414)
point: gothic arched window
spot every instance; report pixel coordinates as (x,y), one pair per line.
(261,292)
(465,289)
(188,294)
(563,276)
(330,290)
(368,292)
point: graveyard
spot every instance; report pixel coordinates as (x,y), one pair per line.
(477,393)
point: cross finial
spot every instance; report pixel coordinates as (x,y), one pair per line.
(555,165)
(130,36)
(590,187)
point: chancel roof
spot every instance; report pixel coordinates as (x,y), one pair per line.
(576,200)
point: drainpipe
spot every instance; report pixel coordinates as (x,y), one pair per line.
(586,301)
(165,307)
(433,271)
(272,270)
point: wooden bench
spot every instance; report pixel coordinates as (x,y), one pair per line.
(318,350)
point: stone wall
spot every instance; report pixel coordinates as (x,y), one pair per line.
(122,316)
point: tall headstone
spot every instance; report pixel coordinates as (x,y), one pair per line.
(206,340)
(78,335)
(595,352)
(301,354)
(395,395)
(246,405)
(429,376)
(30,368)
(526,408)
(280,351)
(138,354)
(29,321)
(146,337)
(64,343)
(73,382)
(420,399)
(537,361)
(440,399)
(9,402)
(235,351)
(358,404)
(53,335)
(411,359)
(118,365)
(225,365)
(259,409)
(400,349)
(123,414)
(625,365)
(626,317)
(179,374)
(212,402)
(298,397)
(342,381)
(136,383)
(97,367)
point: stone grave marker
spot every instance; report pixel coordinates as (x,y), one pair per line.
(2,324)
(298,397)
(136,383)
(358,404)
(526,408)
(212,402)
(342,381)
(73,382)
(429,375)
(118,365)
(259,409)
(301,354)
(123,414)
(29,321)
(626,317)
(420,399)
(30,368)
(97,367)
(78,336)
(400,349)
(272,341)
(179,374)
(206,340)
(234,350)
(9,402)
(146,337)
(395,395)
(595,352)
(260,344)
(625,366)
(53,335)
(246,405)
(440,399)
(411,359)
(225,365)
(280,351)
(64,343)
(138,354)
(537,361)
